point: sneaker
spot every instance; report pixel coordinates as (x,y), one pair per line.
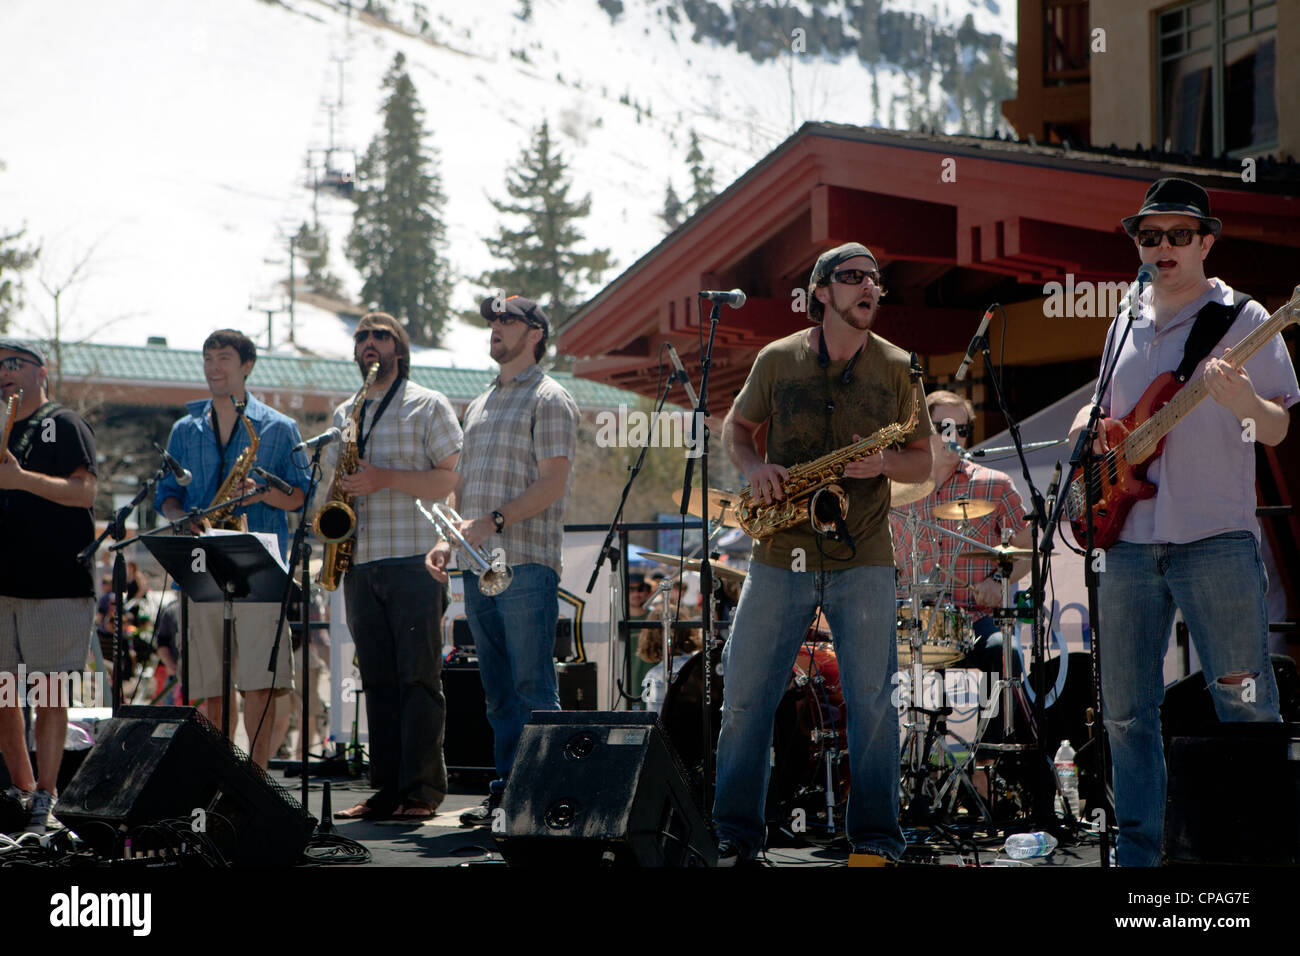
(38,818)
(732,854)
(482,814)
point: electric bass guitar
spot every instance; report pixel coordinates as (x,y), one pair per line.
(1118,479)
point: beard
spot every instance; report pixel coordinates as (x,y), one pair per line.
(386,365)
(505,355)
(846,315)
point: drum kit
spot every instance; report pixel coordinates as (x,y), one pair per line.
(933,633)
(810,770)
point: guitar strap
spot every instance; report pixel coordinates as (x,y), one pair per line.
(1211,325)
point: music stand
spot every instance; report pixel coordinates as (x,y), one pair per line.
(226,568)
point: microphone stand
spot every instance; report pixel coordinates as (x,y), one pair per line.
(116,530)
(1044,808)
(299,553)
(701,442)
(1083,457)
(607,549)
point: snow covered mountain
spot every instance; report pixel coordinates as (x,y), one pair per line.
(163,152)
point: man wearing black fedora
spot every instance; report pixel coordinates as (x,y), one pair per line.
(520,439)
(1194,546)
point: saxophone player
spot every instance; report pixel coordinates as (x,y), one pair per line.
(209,442)
(407,442)
(819,390)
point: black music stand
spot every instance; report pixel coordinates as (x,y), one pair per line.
(233,567)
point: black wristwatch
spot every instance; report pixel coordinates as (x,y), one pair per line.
(499,520)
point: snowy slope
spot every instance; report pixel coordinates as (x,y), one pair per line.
(166,142)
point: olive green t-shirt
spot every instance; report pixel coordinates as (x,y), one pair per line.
(788,388)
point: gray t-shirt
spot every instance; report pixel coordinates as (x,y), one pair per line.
(1206,474)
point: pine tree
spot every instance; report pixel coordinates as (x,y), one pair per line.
(398,234)
(702,176)
(314,246)
(674,213)
(14,258)
(543,261)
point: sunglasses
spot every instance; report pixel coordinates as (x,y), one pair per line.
(380,335)
(1150,238)
(964,431)
(14,362)
(855,277)
(642,587)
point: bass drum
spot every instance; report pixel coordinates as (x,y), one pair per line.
(809,734)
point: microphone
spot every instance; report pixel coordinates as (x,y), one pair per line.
(182,474)
(1145,275)
(1052,489)
(974,344)
(275,481)
(320,441)
(957,450)
(681,375)
(735,298)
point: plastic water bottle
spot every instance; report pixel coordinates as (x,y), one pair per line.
(1069,777)
(1025,846)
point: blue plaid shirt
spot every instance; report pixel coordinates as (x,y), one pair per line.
(194,444)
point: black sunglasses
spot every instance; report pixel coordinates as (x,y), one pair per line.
(1150,238)
(15,362)
(855,277)
(381,335)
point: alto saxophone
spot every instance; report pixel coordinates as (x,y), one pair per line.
(226,518)
(808,481)
(336,521)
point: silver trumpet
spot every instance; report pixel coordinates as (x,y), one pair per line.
(493,576)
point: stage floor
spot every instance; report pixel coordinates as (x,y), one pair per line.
(442,841)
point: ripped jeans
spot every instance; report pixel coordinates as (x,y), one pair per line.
(1219,584)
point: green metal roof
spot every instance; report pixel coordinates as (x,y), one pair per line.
(166,365)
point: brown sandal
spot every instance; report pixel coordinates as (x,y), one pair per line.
(413,811)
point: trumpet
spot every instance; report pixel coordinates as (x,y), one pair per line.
(493,576)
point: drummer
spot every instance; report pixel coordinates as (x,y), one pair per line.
(972,581)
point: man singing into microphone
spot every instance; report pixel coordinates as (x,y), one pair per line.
(208,442)
(1194,545)
(819,390)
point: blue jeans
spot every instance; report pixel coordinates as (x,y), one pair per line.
(776,607)
(514,637)
(1218,583)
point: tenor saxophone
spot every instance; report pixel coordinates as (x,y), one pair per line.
(226,518)
(808,481)
(335,522)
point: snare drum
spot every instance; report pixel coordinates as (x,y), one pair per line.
(944,632)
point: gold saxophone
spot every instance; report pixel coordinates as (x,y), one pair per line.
(336,521)
(226,518)
(806,482)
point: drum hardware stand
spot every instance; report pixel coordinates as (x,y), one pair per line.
(927,795)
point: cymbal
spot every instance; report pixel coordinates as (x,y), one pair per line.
(997,553)
(722,571)
(901,494)
(960,508)
(722,505)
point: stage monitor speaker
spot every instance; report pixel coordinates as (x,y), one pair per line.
(599,789)
(1234,797)
(467,743)
(158,765)
(1188,708)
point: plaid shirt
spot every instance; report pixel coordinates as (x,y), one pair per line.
(194,444)
(509,430)
(417,430)
(969,480)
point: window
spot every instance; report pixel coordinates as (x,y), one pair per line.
(1217,88)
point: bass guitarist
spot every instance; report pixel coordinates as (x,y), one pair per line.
(1194,544)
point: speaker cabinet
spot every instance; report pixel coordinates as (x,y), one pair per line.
(158,765)
(1234,797)
(599,789)
(467,743)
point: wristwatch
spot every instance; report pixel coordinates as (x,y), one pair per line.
(499,520)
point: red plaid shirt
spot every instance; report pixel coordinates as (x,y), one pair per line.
(968,480)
